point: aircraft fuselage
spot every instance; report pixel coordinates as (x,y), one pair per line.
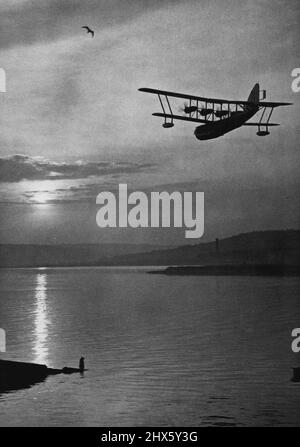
(218,128)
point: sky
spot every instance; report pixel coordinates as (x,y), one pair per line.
(73,123)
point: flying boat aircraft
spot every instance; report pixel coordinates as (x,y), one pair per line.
(218,116)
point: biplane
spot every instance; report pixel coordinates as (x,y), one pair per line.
(218,116)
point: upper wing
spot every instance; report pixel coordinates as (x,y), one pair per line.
(210,100)
(194,98)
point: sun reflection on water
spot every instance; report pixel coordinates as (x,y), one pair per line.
(41,321)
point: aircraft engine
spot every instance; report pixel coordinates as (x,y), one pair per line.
(191,109)
(205,112)
(188,109)
(221,113)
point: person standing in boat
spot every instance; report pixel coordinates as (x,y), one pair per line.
(81,364)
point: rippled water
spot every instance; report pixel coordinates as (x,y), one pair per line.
(160,350)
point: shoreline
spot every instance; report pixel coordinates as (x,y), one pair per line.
(277,270)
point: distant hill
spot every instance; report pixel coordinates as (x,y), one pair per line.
(261,247)
(28,255)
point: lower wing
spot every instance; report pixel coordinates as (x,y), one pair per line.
(198,120)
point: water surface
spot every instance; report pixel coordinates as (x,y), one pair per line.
(189,351)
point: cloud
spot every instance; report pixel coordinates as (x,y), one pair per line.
(22,167)
(50,20)
(74,96)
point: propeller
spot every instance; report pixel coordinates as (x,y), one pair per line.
(187,108)
(183,108)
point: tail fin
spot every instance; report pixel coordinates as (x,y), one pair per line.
(254,95)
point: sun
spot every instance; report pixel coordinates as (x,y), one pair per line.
(41,197)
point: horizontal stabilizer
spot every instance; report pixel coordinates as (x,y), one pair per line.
(274,104)
(261,124)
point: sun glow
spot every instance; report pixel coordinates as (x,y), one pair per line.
(41,197)
(41,319)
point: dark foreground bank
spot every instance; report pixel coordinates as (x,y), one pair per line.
(17,375)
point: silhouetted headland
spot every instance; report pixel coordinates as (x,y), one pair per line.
(17,375)
(232,270)
(280,247)
(65,255)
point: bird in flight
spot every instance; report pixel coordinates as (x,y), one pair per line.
(89,30)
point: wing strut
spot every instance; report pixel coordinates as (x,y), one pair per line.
(265,131)
(167,123)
